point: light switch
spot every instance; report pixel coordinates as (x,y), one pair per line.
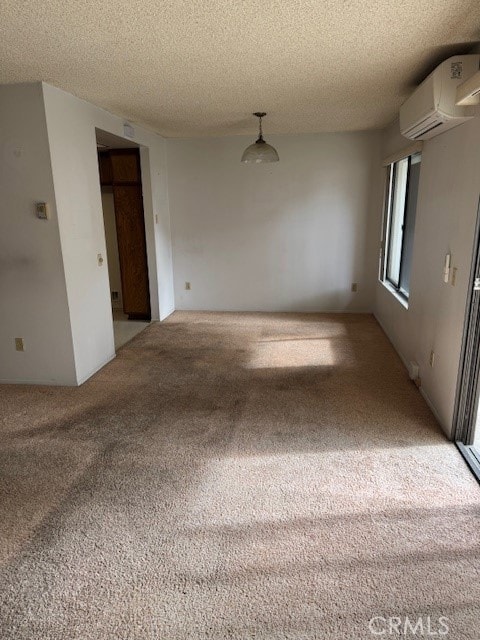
(100,259)
(446,268)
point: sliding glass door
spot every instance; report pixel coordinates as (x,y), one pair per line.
(467,413)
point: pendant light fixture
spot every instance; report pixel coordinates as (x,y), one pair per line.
(260,151)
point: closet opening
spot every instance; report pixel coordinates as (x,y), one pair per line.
(124,222)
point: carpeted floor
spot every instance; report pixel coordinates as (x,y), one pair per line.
(235,476)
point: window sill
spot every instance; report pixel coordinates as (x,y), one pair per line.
(401,298)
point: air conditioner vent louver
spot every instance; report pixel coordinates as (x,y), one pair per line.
(417,132)
(431,109)
(468,91)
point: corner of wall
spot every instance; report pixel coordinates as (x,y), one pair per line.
(445,222)
(33,289)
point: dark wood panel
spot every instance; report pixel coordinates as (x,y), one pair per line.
(105,168)
(125,166)
(132,250)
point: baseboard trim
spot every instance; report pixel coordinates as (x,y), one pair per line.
(400,355)
(431,406)
(83,379)
(434,411)
(164,316)
(38,383)
(353,312)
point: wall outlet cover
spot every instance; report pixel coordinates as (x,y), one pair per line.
(41,209)
(413,370)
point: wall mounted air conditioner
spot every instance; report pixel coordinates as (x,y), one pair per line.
(469,91)
(431,108)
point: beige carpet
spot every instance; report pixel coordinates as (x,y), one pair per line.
(235,476)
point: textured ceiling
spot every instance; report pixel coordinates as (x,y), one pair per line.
(197,68)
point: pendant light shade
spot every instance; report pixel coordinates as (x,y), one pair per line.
(260,151)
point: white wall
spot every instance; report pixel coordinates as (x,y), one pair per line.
(446,215)
(33,294)
(113,258)
(292,235)
(71,127)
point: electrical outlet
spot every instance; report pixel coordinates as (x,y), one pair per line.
(19,344)
(41,209)
(187,286)
(432,358)
(354,287)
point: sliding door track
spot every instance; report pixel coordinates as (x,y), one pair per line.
(472,457)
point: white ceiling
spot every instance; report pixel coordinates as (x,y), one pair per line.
(198,68)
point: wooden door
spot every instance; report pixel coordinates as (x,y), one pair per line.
(132,250)
(130,224)
(105,167)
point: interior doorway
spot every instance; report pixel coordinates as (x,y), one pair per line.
(467,406)
(124,222)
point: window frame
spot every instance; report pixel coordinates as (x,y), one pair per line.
(387,236)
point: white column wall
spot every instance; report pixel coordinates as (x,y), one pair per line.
(34,304)
(71,127)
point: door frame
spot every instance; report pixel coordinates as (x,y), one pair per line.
(468,381)
(150,217)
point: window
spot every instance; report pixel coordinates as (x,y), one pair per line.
(399,223)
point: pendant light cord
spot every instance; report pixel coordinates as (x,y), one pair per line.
(260,115)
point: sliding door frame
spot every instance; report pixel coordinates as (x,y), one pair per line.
(468,384)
